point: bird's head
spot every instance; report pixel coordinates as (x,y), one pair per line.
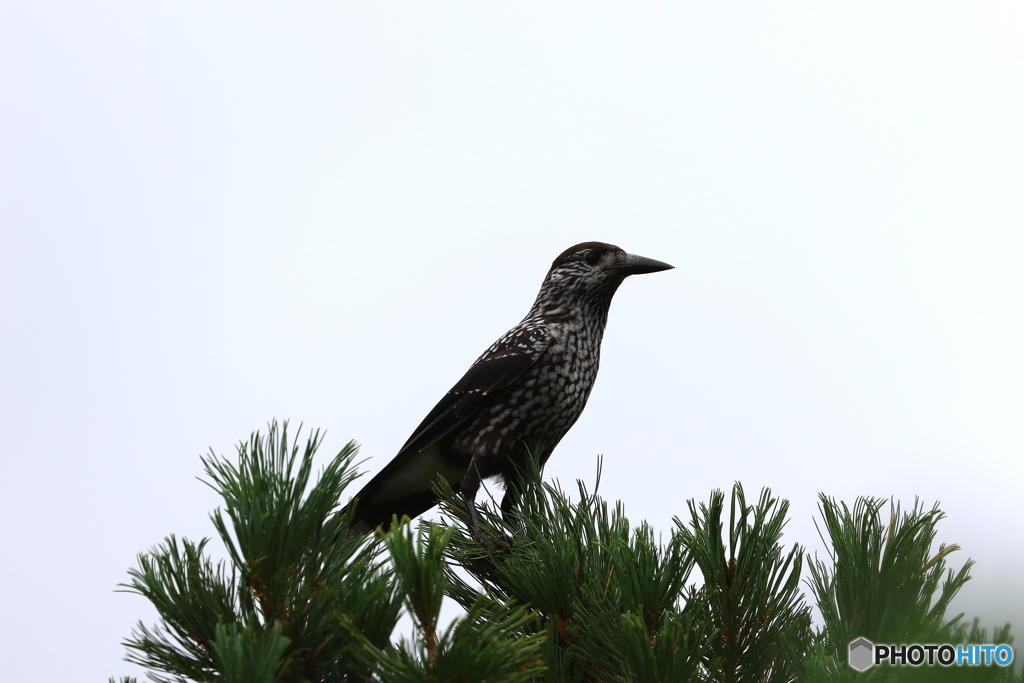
(589,273)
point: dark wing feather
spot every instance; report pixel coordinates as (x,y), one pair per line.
(497,368)
(503,363)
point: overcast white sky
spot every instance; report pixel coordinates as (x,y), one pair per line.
(215,216)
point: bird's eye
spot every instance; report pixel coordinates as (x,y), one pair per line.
(592,258)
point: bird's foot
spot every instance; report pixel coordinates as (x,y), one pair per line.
(495,545)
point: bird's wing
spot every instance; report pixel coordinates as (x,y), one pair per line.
(497,368)
(409,477)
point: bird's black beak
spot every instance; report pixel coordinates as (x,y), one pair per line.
(638,265)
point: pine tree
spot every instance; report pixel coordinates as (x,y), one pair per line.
(580,594)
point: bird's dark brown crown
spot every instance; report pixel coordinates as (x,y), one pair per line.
(582,246)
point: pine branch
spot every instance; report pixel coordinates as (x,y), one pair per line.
(751,588)
(608,597)
(580,595)
(282,606)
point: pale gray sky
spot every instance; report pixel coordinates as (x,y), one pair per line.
(214,216)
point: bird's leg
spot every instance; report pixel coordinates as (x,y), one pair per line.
(517,477)
(513,493)
(510,503)
(468,489)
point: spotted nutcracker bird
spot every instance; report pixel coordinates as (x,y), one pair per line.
(524,392)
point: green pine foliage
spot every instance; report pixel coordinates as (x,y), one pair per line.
(895,563)
(576,593)
(751,588)
(487,645)
(884,583)
(282,606)
(609,599)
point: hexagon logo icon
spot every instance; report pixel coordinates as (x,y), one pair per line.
(861,654)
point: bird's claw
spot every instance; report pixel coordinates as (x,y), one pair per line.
(494,545)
